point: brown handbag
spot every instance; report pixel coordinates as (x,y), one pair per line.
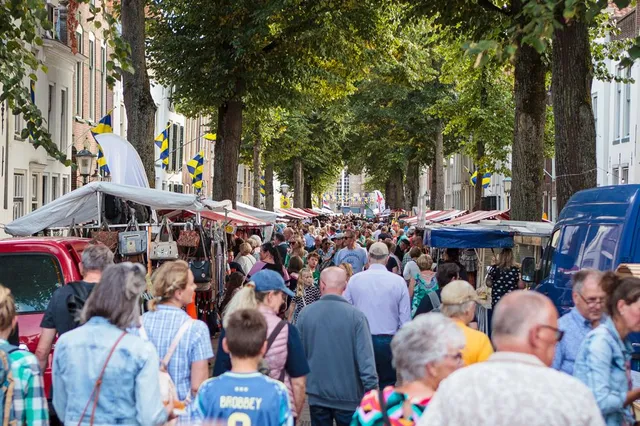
(106,237)
(189,238)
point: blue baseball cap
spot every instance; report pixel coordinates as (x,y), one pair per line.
(267,280)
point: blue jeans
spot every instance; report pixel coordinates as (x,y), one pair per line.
(383,357)
(324,416)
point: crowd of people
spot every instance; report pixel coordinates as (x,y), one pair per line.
(359,320)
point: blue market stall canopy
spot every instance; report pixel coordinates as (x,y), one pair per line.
(458,237)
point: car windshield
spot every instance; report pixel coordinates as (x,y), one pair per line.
(32,278)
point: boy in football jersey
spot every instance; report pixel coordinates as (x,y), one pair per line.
(244,396)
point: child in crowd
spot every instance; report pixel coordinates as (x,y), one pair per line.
(312,263)
(306,294)
(244,395)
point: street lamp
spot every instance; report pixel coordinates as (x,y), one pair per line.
(284,189)
(507,188)
(84,161)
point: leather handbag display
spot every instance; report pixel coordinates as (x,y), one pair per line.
(106,237)
(131,243)
(201,270)
(164,250)
(189,238)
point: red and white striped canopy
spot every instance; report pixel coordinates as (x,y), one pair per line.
(477,216)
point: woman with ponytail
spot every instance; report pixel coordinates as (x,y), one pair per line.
(188,366)
(604,360)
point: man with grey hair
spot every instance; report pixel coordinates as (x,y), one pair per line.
(66,301)
(514,386)
(459,303)
(337,342)
(588,299)
(384,298)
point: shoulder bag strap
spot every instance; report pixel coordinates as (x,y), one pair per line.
(96,387)
(174,344)
(383,408)
(274,334)
(143,333)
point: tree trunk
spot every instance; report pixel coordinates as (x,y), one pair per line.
(394,190)
(308,201)
(227,151)
(528,141)
(141,109)
(575,133)
(298,183)
(268,187)
(480,147)
(413,183)
(257,174)
(437,193)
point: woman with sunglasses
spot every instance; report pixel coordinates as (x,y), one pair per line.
(604,360)
(425,351)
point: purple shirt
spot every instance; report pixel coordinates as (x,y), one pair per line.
(382,296)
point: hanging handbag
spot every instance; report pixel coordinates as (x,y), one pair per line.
(201,270)
(131,243)
(164,250)
(189,238)
(106,237)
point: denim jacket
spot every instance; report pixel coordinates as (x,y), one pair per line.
(602,365)
(130,393)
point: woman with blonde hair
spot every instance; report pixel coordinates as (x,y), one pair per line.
(347,268)
(167,324)
(245,259)
(306,294)
(101,374)
(504,276)
(285,356)
(27,378)
(297,249)
(422,283)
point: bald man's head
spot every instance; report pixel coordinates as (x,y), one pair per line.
(333,280)
(526,321)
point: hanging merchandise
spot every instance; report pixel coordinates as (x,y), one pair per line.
(164,250)
(134,241)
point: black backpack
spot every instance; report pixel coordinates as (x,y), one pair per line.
(76,300)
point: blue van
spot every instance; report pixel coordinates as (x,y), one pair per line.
(596,229)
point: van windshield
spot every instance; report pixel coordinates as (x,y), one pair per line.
(32,278)
(584,246)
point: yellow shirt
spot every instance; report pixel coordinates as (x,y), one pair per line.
(478,347)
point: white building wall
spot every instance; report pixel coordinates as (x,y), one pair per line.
(29,178)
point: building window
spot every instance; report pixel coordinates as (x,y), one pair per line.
(55,188)
(627,106)
(63,121)
(615,174)
(34,192)
(92,79)
(17,125)
(52,100)
(173,144)
(45,189)
(65,184)
(103,81)
(79,89)
(18,195)
(594,106)
(624,178)
(617,119)
(80,41)
(180,146)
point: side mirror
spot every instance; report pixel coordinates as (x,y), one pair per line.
(528,269)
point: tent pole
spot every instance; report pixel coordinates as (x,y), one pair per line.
(99,194)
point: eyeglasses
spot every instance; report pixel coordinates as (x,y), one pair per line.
(557,332)
(592,301)
(457,357)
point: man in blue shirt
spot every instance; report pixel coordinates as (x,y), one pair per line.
(588,298)
(245,396)
(352,253)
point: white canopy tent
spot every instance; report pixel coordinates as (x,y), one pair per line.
(265,215)
(83,205)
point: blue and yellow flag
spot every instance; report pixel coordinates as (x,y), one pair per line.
(210,136)
(263,190)
(162,142)
(102,161)
(32,91)
(486,179)
(104,126)
(195,166)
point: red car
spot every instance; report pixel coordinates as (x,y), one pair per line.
(32,268)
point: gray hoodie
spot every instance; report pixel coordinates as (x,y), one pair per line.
(337,342)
